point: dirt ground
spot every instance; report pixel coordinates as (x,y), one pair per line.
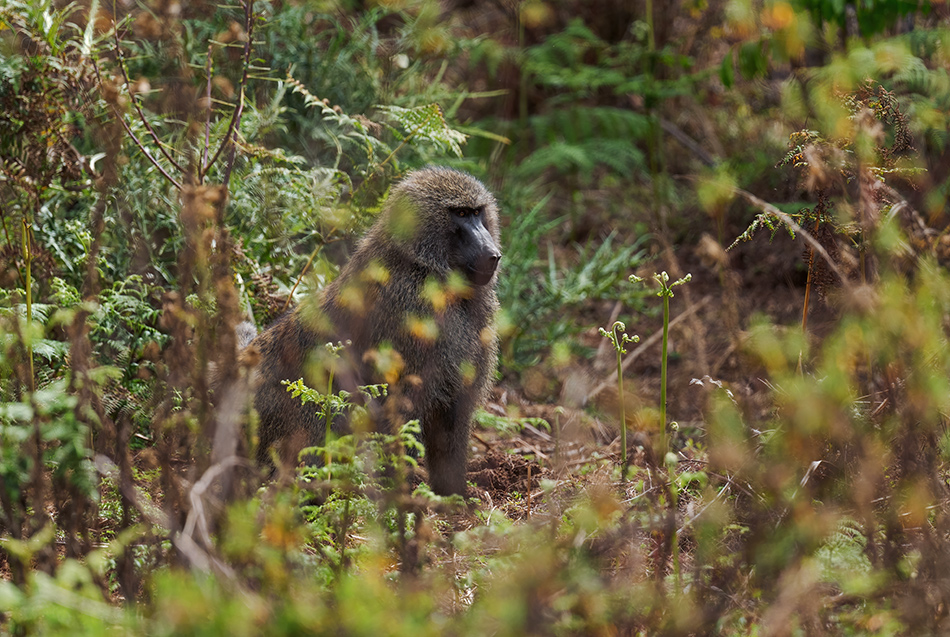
(710,319)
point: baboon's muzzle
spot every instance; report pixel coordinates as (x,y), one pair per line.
(484,268)
(479,253)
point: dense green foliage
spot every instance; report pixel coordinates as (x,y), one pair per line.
(168,170)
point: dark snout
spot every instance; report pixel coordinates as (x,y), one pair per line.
(479,254)
(484,267)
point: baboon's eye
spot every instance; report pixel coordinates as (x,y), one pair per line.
(461,211)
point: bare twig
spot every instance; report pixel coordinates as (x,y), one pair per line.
(474,435)
(196,517)
(797,229)
(527,448)
(134,137)
(196,555)
(812,467)
(688,142)
(120,60)
(290,297)
(528,489)
(207,145)
(747,489)
(228,140)
(688,522)
(902,207)
(152,514)
(537,432)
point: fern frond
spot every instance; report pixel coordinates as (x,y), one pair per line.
(427,123)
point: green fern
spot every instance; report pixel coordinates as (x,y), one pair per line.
(426,123)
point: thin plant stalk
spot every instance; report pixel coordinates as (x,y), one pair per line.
(809,281)
(666,293)
(618,337)
(28,270)
(328,412)
(623,417)
(663,362)
(651,41)
(675,548)
(334,351)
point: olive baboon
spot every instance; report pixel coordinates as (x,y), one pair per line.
(416,302)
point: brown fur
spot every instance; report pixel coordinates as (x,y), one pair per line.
(412,320)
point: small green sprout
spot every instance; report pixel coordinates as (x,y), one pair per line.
(666,293)
(662,279)
(619,338)
(335,348)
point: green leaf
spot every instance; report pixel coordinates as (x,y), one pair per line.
(752,60)
(427,123)
(727,72)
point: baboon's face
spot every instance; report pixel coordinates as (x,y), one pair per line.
(444,220)
(474,251)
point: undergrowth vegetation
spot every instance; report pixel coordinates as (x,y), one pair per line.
(768,456)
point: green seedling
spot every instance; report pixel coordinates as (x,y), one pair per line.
(666,293)
(619,338)
(665,456)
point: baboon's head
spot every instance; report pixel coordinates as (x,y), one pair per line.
(445,220)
